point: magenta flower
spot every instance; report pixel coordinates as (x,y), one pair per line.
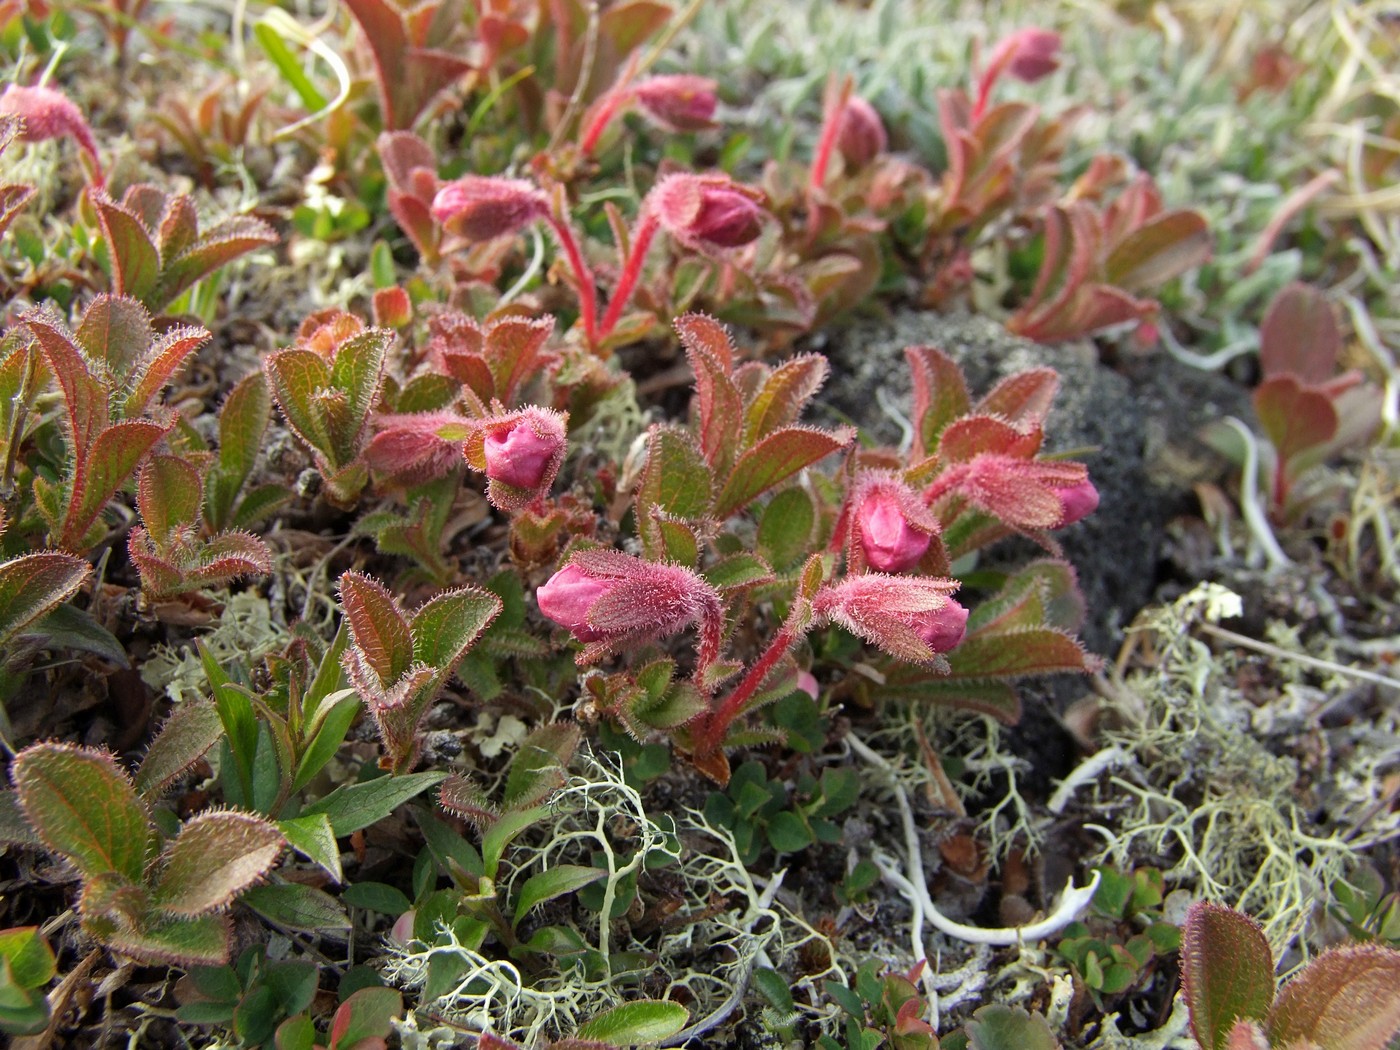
(892,529)
(567,597)
(49,114)
(613,601)
(913,618)
(1078,501)
(1026,493)
(520,453)
(861,134)
(1027,54)
(677,101)
(483,207)
(706,212)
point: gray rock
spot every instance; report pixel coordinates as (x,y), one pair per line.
(1136,434)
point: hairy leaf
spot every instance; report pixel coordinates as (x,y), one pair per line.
(775,459)
(33,584)
(639,1022)
(1347,998)
(215,857)
(1227,972)
(378,628)
(187,735)
(1162,248)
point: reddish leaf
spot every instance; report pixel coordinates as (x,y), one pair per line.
(971,436)
(378,628)
(940,393)
(1295,419)
(1165,247)
(1299,336)
(168,496)
(215,248)
(719,405)
(775,459)
(136,261)
(513,352)
(12,199)
(1345,999)
(113,458)
(163,360)
(83,806)
(783,395)
(1024,398)
(446,627)
(115,331)
(33,584)
(1227,972)
(84,396)
(215,857)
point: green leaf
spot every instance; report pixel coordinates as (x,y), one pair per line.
(185,738)
(313,838)
(351,807)
(113,457)
(235,708)
(297,906)
(30,959)
(174,941)
(1227,972)
(1347,998)
(1162,248)
(786,528)
(136,261)
(288,66)
(500,835)
(368,1014)
(1008,1028)
(378,628)
(636,1023)
(775,459)
(675,478)
(788,833)
(84,807)
(556,882)
(445,627)
(216,247)
(940,393)
(738,571)
(67,627)
(783,395)
(215,857)
(376,896)
(540,767)
(34,584)
(334,725)
(243,421)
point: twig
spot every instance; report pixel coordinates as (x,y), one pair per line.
(1249,499)
(1086,771)
(1270,649)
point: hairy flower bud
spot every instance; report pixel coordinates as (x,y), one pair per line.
(482,207)
(892,528)
(520,452)
(913,618)
(861,137)
(614,600)
(677,101)
(568,595)
(707,211)
(1078,501)
(1028,54)
(49,114)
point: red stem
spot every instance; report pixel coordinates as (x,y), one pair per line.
(607,109)
(711,734)
(587,290)
(831,125)
(631,271)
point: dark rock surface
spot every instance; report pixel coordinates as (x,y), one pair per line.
(1136,432)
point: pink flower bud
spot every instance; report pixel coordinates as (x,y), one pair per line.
(1027,54)
(520,452)
(520,456)
(677,102)
(707,211)
(944,628)
(807,683)
(913,618)
(892,526)
(567,597)
(1078,501)
(49,114)
(482,207)
(861,137)
(613,601)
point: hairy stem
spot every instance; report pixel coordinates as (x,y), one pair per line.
(631,271)
(711,733)
(587,288)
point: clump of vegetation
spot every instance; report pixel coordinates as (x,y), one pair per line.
(437,603)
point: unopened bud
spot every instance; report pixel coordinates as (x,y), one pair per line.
(1027,54)
(861,137)
(481,207)
(520,453)
(677,102)
(893,528)
(707,211)
(49,114)
(1078,501)
(913,618)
